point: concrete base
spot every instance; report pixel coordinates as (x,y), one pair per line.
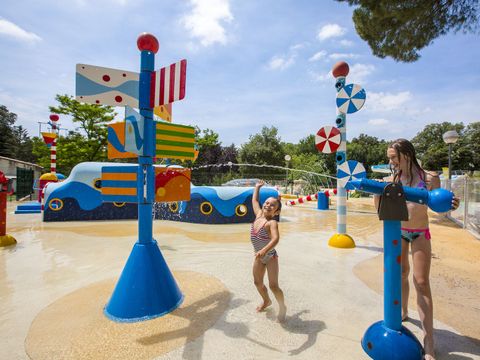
(33,207)
(383,343)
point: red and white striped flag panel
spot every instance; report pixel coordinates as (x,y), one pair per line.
(168,84)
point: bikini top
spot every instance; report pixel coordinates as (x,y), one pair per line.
(421,184)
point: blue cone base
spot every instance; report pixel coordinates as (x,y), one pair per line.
(382,343)
(146,289)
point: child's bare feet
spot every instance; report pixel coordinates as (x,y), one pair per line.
(264,305)
(282,312)
(429,350)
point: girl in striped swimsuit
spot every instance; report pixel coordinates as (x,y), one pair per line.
(264,236)
(415,235)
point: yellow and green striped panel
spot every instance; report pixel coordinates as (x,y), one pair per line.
(175,141)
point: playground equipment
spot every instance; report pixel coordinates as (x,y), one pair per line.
(50,138)
(388,339)
(302,200)
(79,197)
(381,168)
(350,99)
(146,288)
(322,198)
(214,205)
(5,239)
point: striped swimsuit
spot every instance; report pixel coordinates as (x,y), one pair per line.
(259,240)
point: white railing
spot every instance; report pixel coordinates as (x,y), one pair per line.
(468,213)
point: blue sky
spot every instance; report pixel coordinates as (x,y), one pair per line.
(250,64)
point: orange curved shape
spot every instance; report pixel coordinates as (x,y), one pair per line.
(172,184)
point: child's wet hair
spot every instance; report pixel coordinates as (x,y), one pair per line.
(405,147)
(279,207)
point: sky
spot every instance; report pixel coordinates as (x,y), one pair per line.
(249,64)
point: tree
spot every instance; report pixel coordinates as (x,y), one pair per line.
(307,145)
(7,119)
(400,28)
(212,156)
(209,148)
(263,149)
(14,140)
(471,138)
(93,121)
(41,153)
(23,145)
(367,150)
(432,150)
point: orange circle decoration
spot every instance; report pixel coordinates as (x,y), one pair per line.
(55,204)
(161,192)
(206,208)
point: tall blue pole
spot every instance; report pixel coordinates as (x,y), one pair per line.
(146,288)
(388,339)
(392,274)
(145,162)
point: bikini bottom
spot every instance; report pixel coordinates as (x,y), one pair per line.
(412,234)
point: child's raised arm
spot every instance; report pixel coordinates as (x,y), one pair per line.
(255,197)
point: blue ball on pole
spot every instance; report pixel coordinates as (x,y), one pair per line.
(440,200)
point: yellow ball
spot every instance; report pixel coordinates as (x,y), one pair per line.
(7,240)
(342,241)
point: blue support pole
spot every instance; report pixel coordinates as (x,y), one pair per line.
(388,339)
(322,201)
(146,288)
(392,274)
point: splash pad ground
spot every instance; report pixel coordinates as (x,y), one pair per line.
(56,280)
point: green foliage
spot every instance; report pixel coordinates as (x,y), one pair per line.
(432,150)
(400,28)
(14,140)
(7,120)
(41,152)
(211,152)
(314,164)
(88,144)
(469,148)
(263,148)
(93,121)
(368,150)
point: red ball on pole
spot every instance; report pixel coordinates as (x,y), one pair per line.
(341,68)
(148,42)
(54,117)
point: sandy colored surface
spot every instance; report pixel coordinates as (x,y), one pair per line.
(74,326)
(455,277)
(332,295)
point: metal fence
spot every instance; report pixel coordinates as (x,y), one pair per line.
(468,213)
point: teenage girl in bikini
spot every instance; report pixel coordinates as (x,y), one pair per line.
(265,236)
(415,234)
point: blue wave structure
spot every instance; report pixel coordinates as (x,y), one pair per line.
(215,205)
(79,198)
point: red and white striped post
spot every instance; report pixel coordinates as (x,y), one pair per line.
(53,149)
